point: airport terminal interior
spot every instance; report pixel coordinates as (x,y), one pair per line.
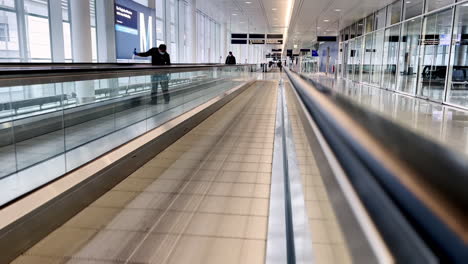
(233,131)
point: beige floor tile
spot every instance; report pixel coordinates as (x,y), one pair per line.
(253,252)
(65,241)
(318,231)
(93,217)
(237,177)
(226,205)
(259,207)
(257,227)
(133,185)
(218,225)
(118,199)
(323,254)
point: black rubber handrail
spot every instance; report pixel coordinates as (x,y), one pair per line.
(410,228)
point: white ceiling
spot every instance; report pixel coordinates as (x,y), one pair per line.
(307,16)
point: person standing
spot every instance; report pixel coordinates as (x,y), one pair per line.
(230,59)
(159,56)
(280,66)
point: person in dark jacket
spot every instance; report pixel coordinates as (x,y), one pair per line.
(159,56)
(280,65)
(230,59)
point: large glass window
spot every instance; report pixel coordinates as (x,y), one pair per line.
(413,8)
(351,54)
(66,31)
(380,18)
(457,85)
(436,4)
(359,28)
(409,54)
(9,46)
(358,59)
(37,28)
(92,9)
(7,3)
(368,53)
(394,13)
(392,36)
(352,31)
(434,51)
(377,59)
(370,23)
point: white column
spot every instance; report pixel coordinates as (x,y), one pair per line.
(105,28)
(81,43)
(56,31)
(193,8)
(81,31)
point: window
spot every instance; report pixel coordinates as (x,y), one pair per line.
(359,28)
(459,59)
(434,53)
(436,4)
(370,23)
(380,17)
(37,28)
(392,36)
(92,10)
(409,54)
(413,8)
(9,46)
(4,32)
(7,3)
(394,13)
(66,31)
(377,59)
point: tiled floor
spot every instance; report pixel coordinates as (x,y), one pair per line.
(204,199)
(328,244)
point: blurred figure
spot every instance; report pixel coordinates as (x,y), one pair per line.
(230,59)
(280,66)
(159,56)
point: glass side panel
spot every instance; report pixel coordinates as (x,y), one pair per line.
(458,77)
(351,53)
(434,55)
(409,54)
(392,36)
(360,28)
(58,127)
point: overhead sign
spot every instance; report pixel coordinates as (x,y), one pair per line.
(314,53)
(256,36)
(275,36)
(239,36)
(256,41)
(305,50)
(276,50)
(238,41)
(326,38)
(133,28)
(289,52)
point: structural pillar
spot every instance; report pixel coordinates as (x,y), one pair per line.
(56,31)
(81,45)
(105,28)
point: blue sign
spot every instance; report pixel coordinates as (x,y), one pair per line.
(315,53)
(134,28)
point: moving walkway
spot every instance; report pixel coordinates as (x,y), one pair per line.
(240,170)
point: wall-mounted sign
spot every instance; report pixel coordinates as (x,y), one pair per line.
(314,53)
(276,50)
(305,50)
(256,41)
(133,28)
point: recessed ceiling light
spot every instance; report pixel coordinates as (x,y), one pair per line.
(234,14)
(318,27)
(337,10)
(274,9)
(248,3)
(326,20)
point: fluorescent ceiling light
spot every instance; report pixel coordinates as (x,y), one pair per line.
(274,9)
(234,14)
(337,10)
(248,3)
(326,20)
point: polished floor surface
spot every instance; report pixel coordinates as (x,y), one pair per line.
(204,199)
(444,124)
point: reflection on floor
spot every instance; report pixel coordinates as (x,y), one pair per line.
(444,124)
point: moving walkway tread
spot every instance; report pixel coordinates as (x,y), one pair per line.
(202,200)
